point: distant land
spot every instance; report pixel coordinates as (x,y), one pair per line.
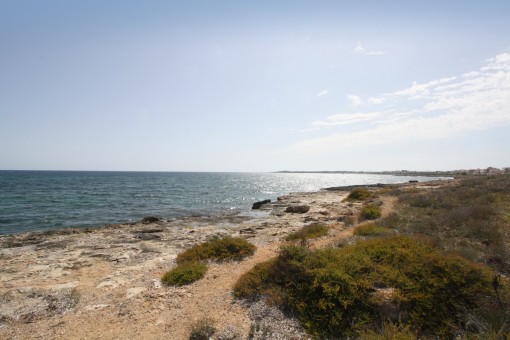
(462,172)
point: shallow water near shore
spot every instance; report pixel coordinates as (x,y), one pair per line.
(44,200)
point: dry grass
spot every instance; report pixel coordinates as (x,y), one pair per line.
(470,218)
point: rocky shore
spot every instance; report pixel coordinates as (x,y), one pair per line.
(104,283)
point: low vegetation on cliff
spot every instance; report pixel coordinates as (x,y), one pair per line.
(402,279)
(372,229)
(470,218)
(370,212)
(185,273)
(218,249)
(434,268)
(192,266)
(310,231)
(359,194)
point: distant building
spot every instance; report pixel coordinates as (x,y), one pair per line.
(493,171)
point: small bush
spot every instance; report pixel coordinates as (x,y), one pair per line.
(202,330)
(372,229)
(218,249)
(185,273)
(359,194)
(370,212)
(315,230)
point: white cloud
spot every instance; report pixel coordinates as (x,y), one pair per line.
(448,107)
(347,118)
(354,100)
(362,50)
(471,74)
(322,93)
(374,100)
(376,53)
(359,48)
(418,90)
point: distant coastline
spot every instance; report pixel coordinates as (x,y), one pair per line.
(438,173)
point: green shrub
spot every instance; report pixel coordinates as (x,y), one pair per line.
(310,231)
(389,331)
(359,194)
(218,249)
(370,212)
(251,284)
(202,330)
(340,291)
(372,229)
(185,273)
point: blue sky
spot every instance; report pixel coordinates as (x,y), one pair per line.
(258,86)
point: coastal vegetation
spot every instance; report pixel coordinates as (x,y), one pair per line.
(372,229)
(192,266)
(310,231)
(185,273)
(359,194)
(470,218)
(350,289)
(370,212)
(436,267)
(218,249)
(203,329)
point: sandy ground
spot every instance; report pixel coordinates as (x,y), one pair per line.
(104,283)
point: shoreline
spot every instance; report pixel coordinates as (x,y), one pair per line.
(225,214)
(65,203)
(104,282)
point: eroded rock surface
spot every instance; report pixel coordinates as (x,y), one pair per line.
(105,282)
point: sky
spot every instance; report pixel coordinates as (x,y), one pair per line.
(254,86)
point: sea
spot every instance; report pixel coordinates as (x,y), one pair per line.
(45,200)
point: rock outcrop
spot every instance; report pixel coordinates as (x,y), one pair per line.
(257,205)
(150,219)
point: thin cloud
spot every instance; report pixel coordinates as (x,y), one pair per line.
(374,100)
(452,106)
(359,49)
(347,118)
(354,100)
(322,93)
(418,90)
(376,53)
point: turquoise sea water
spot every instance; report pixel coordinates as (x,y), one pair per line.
(43,200)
